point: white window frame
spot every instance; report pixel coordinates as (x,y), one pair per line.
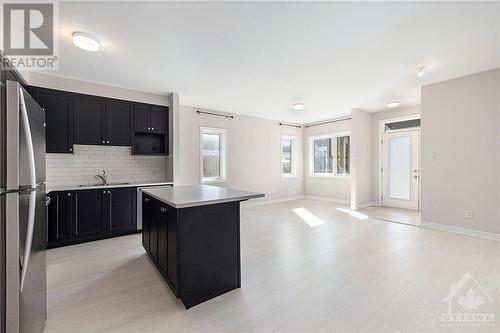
(294,151)
(333,136)
(223,155)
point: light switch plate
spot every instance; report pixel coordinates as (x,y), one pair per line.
(468,214)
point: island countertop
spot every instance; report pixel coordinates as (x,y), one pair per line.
(198,195)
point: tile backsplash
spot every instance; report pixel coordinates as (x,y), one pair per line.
(88,161)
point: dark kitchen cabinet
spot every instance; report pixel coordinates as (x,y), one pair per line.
(150,119)
(88,214)
(172,271)
(90,118)
(147,215)
(118,130)
(161,223)
(59,118)
(60,217)
(158,119)
(120,210)
(159,234)
(142,118)
(74,118)
(150,209)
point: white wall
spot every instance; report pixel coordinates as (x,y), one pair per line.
(361,158)
(334,188)
(254,158)
(460,128)
(376,118)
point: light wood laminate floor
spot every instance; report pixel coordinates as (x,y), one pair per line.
(306,266)
(391,214)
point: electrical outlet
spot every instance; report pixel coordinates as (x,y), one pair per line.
(468,214)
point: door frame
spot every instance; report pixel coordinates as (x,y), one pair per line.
(381,131)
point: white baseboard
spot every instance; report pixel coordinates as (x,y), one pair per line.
(334,200)
(253,203)
(462,231)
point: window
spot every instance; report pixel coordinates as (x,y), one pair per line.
(343,150)
(324,149)
(288,156)
(212,155)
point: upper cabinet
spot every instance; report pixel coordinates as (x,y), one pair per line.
(89,125)
(59,117)
(141,118)
(158,119)
(150,129)
(150,118)
(118,122)
(74,118)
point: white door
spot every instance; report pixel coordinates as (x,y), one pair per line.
(401,169)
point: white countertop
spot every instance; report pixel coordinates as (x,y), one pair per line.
(198,195)
(56,188)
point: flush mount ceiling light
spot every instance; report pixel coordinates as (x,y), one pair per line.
(393,104)
(298,106)
(86,41)
(420,71)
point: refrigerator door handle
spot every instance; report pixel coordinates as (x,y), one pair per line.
(29,142)
(29,237)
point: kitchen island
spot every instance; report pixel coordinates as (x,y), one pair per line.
(192,235)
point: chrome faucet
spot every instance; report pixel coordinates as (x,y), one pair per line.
(103,177)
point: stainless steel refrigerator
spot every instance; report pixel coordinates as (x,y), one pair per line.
(23,211)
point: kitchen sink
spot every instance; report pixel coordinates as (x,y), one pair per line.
(101,184)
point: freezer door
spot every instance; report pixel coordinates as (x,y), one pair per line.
(26,264)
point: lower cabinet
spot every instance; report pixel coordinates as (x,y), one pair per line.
(88,215)
(159,237)
(85,215)
(60,218)
(120,210)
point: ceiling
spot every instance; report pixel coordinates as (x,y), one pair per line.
(259,58)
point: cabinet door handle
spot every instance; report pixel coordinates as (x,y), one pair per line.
(152,128)
(103,141)
(146,199)
(103,192)
(69,194)
(107,141)
(71,149)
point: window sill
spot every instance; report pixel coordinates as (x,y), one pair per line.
(316,175)
(217,181)
(284,175)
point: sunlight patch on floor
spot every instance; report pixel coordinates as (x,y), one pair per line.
(353,213)
(308,217)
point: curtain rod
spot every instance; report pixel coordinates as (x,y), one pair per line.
(327,122)
(215,114)
(290,125)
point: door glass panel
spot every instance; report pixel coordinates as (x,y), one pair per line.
(400,168)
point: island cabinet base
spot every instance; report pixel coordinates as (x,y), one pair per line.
(196,249)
